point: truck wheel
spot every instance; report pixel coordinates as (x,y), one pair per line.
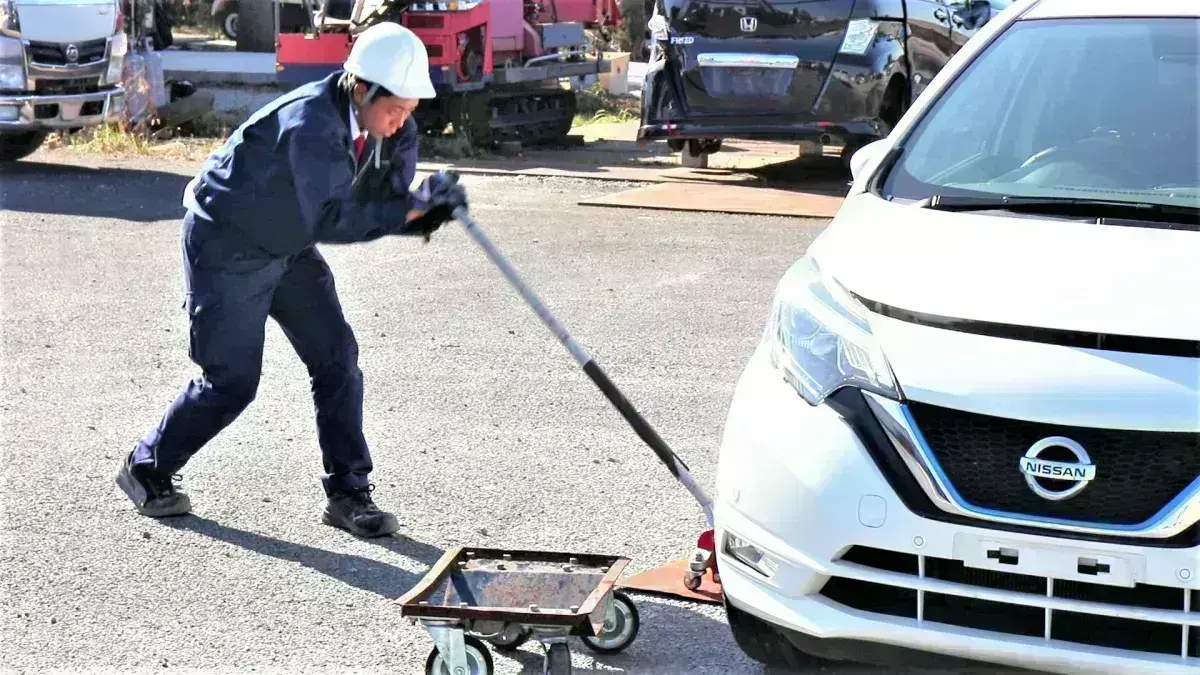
(15,146)
(256,27)
(228,20)
(164,23)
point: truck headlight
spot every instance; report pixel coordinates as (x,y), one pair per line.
(10,22)
(820,339)
(116,62)
(12,64)
(860,34)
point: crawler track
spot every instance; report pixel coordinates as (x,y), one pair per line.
(490,117)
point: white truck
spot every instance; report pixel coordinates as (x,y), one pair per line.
(61,65)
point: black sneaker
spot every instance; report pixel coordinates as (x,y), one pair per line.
(152,494)
(353,510)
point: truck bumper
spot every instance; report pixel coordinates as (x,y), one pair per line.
(29,112)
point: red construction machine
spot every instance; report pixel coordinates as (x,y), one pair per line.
(502,68)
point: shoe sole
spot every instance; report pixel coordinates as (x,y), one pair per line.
(327,519)
(182,507)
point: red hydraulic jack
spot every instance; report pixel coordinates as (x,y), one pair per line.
(687,578)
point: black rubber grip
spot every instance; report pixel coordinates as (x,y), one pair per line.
(635,419)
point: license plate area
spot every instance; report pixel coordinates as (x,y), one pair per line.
(747,76)
(1070,563)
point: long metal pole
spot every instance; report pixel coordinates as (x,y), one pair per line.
(593,371)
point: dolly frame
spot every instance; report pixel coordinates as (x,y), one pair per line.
(448,625)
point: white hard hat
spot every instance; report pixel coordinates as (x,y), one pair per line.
(393,57)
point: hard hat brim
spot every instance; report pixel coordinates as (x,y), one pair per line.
(413,89)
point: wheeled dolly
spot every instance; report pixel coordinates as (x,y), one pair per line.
(703,560)
(476,597)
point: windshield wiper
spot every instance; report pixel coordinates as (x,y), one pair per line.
(1188,216)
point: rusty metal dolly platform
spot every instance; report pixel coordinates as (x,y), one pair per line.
(509,597)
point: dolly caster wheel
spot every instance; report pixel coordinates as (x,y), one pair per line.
(691,581)
(619,630)
(512,637)
(558,659)
(479,660)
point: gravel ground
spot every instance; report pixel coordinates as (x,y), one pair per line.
(483,430)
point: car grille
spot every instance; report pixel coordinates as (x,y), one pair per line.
(79,85)
(1137,472)
(1103,626)
(55,54)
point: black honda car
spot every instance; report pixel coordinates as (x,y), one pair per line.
(836,72)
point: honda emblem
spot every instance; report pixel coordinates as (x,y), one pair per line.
(749,24)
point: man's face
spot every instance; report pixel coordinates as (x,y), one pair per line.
(386,114)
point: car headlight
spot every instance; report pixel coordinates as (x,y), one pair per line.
(12,64)
(860,33)
(820,339)
(751,556)
(10,22)
(116,63)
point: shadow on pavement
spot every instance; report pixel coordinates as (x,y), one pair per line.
(820,175)
(380,578)
(673,639)
(63,189)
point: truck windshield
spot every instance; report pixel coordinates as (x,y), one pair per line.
(1102,109)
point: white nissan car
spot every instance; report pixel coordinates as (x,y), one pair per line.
(971,432)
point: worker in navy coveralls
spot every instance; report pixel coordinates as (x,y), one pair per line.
(299,172)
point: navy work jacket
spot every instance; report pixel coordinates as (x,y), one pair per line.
(287,178)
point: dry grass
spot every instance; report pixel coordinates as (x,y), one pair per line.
(197,139)
(112,140)
(448,146)
(594,105)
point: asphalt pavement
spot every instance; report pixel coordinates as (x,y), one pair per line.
(484,432)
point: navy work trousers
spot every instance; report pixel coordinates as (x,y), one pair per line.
(230,294)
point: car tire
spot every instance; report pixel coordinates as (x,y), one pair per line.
(895,103)
(761,642)
(19,145)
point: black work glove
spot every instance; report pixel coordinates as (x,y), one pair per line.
(438,196)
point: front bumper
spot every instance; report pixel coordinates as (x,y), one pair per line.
(65,111)
(854,563)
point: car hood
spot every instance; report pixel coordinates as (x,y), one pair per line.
(66,20)
(1019,270)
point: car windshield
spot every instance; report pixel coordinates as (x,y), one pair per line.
(1095,109)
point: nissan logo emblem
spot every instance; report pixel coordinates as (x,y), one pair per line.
(72,53)
(749,24)
(1070,476)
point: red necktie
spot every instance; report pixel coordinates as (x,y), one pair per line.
(359,144)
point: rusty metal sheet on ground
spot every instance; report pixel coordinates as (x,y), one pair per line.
(638,174)
(668,580)
(723,199)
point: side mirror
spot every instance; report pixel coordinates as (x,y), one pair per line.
(865,158)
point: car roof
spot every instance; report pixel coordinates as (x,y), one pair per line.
(1071,9)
